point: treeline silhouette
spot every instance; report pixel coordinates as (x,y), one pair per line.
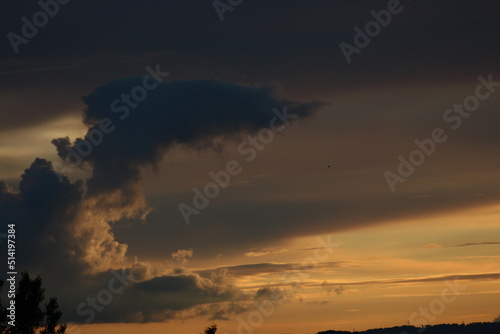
(29,315)
(473,328)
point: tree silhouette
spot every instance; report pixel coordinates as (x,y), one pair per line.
(211,330)
(3,313)
(30,318)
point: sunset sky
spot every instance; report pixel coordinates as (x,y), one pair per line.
(267,166)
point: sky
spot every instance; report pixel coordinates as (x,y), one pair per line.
(267,166)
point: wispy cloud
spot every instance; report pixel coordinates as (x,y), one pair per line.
(479,243)
(434,245)
(269,268)
(264,251)
(460,277)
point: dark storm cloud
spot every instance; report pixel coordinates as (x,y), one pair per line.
(55,241)
(176,295)
(195,114)
(165,297)
(42,210)
(47,212)
(66,226)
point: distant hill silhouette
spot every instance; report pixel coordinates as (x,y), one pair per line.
(473,328)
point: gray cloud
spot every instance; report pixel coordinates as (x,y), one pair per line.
(273,294)
(329,287)
(478,243)
(168,297)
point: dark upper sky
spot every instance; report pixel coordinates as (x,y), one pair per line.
(92,43)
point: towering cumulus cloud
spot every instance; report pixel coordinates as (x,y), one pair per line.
(65,228)
(197,114)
